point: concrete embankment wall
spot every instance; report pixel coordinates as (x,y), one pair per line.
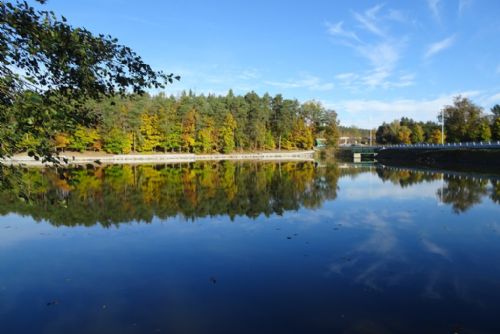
(487,159)
(165,158)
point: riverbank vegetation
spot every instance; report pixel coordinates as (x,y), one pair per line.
(464,121)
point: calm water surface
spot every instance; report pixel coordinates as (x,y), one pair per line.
(249,248)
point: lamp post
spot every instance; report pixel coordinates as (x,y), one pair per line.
(442,126)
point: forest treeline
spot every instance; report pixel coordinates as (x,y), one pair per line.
(197,124)
(464,121)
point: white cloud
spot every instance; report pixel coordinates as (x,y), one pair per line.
(369,21)
(377,78)
(337,30)
(371,113)
(307,81)
(495,98)
(382,54)
(434,7)
(439,46)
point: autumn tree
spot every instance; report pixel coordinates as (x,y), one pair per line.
(227,133)
(188,131)
(149,131)
(436,137)
(404,135)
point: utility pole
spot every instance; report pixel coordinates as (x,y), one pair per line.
(442,126)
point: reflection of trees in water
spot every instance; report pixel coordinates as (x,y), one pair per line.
(463,193)
(460,192)
(405,178)
(495,196)
(115,194)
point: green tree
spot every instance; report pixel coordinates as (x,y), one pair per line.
(462,120)
(61,67)
(331,130)
(495,128)
(484,130)
(83,139)
(207,138)
(417,134)
(116,141)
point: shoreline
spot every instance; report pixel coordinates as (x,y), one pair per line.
(82,159)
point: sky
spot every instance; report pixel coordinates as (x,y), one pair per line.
(371,61)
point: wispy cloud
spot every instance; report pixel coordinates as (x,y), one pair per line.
(307,81)
(337,30)
(495,98)
(439,46)
(379,77)
(369,20)
(434,8)
(382,53)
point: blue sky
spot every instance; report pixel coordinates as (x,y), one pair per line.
(371,61)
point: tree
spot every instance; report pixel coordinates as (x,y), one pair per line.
(150,134)
(331,131)
(484,130)
(61,141)
(281,119)
(495,128)
(83,139)
(404,135)
(496,110)
(207,137)
(117,141)
(60,67)
(302,136)
(188,137)
(461,120)
(417,134)
(227,134)
(435,137)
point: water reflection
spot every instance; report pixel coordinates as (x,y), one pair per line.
(291,247)
(121,193)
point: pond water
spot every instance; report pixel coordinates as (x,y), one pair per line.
(292,247)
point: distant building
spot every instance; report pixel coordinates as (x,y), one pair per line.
(347,141)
